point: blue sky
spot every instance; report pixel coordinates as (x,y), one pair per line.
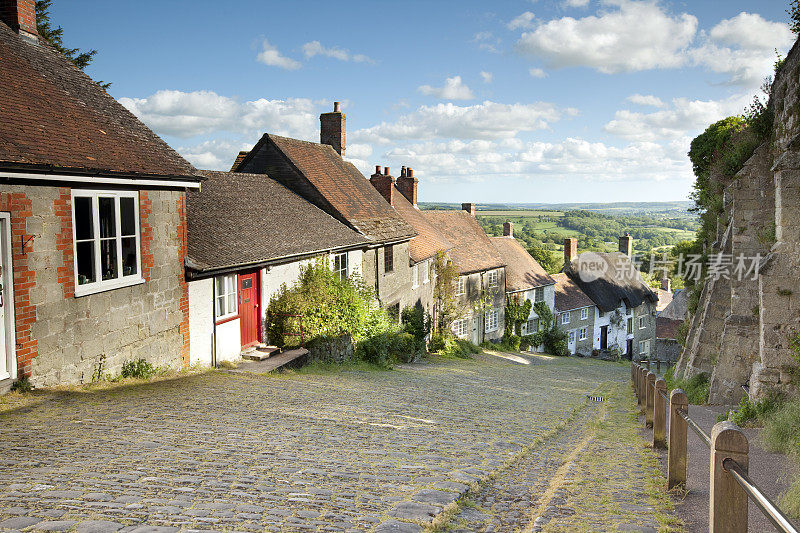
(528,101)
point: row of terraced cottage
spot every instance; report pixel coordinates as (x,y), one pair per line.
(114,248)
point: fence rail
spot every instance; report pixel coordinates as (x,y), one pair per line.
(730,485)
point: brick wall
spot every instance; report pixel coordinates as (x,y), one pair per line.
(184,302)
(60,338)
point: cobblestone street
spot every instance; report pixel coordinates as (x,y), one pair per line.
(347,451)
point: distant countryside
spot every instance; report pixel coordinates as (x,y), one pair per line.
(655,226)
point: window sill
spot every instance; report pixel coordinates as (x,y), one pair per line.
(97,287)
(225,319)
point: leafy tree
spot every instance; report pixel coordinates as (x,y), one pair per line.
(55,36)
(516,314)
(553,338)
(544,257)
(444,292)
(794,16)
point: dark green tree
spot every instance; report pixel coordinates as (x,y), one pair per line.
(544,258)
(794,15)
(55,36)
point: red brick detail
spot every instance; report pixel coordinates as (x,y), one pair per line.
(146,233)
(63,211)
(182,251)
(19,206)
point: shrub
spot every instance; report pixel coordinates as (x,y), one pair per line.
(510,343)
(782,429)
(385,349)
(696,387)
(139,369)
(553,339)
(751,412)
(525,343)
(22,385)
(417,322)
(446,344)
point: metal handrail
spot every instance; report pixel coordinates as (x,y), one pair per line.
(695,427)
(663,395)
(761,500)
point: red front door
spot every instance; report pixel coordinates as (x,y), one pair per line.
(248,309)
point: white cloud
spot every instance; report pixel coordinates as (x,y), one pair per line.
(523,21)
(487,41)
(637,36)
(453,89)
(487,77)
(683,118)
(645,99)
(742,47)
(188,114)
(576,3)
(315,48)
(216,154)
(270,55)
(537,73)
(488,120)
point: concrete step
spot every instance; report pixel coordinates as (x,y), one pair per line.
(273,363)
(260,352)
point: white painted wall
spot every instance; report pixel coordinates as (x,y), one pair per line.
(201,321)
(229,341)
(617,336)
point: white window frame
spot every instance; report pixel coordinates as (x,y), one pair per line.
(582,334)
(527,325)
(644,347)
(642,324)
(630,325)
(415,276)
(230,282)
(426,271)
(585,313)
(461,327)
(492,279)
(461,286)
(572,336)
(122,281)
(538,294)
(492,319)
(338,271)
(565,317)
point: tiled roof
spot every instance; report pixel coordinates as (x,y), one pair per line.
(664,298)
(239,219)
(429,240)
(667,328)
(472,249)
(678,308)
(568,295)
(609,279)
(239,159)
(336,185)
(523,272)
(54,117)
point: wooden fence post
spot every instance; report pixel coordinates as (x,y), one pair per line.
(650,381)
(676,462)
(642,390)
(728,500)
(659,414)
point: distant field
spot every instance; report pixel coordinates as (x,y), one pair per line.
(522,213)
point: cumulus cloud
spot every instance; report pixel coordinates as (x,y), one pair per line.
(487,77)
(215,154)
(315,48)
(453,89)
(576,3)
(188,114)
(523,21)
(488,120)
(742,47)
(645,99)
(270,55)
(682,118)
(537,73)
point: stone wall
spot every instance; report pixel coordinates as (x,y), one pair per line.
(62,338)
(740,333)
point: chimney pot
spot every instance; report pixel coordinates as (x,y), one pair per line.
(403,172)
(469,207)
(377,169)
(385,171)
(666,283)
(626,245)
(336,107)
(570,251)
(410,173)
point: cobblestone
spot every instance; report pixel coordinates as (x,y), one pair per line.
(346,451)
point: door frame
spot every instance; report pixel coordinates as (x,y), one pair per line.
(8,294)
(604,333)
(258,323)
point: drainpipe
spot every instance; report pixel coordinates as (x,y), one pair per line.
(377,278)
(214,322)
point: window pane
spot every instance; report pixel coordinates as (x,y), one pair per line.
(231,304)
(129,252)
(84,229)
(220,309)
(108,220)
(85,256)
(220,286)
(127,216)
(108,259)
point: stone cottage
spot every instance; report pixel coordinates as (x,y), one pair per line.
(248,235)
(525,277)
(481,283)
(92,222)
(574,313)
(668,323)
(402,195)
(625,320)
(318,173)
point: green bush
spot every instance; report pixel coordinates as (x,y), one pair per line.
(553,338)
(525,343)
(417,322)
(782,429)
(446,344)
(696,387)
(385,349)
(22,385)
(510,343)
(753,412)
(139,369)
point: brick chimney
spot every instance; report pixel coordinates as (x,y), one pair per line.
(626,245)
(570,250)
(508,229)
(20,15)
(469,208)
(407,185)
(666,283)
(331,128)
(384,183)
